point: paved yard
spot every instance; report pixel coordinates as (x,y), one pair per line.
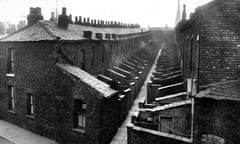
(5,141)
(12,134)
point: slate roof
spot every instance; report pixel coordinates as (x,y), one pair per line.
(49,30)
(88,79)
(229,90)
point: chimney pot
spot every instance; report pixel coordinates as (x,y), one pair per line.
(52,16)
(95,22)
(184,15)
(70,19)
(76,19)
(92,23)
(88,20)
(79,20)
(64,11)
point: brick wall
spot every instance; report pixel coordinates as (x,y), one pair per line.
(181,122)
(219,59)
(53,91)
(216,120)
(141,137)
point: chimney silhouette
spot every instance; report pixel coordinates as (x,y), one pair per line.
(184,15)
(34,16)
(63,19)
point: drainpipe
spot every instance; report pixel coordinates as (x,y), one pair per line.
(192,119)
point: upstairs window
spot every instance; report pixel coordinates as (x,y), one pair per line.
(10,60)
(11,98)
(79,114)
(29,104)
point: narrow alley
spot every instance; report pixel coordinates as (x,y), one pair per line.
(121,135)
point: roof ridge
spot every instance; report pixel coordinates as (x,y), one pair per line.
(43,25)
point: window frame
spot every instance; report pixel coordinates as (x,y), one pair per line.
(79,110)
(11,98)
(30,104)
(10,62)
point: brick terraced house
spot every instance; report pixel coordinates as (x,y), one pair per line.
(54,80)
(207,109)
(209,45)
(209,42)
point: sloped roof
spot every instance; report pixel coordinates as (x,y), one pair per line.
(229,90)
(88,79)
(49,30)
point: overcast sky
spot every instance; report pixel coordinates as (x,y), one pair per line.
(154,13)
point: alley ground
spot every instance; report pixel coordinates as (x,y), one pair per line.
(12,134)
(121,136)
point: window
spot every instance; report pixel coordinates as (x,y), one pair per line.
(79,115)
(165,124)
(11,97)
(10,60)
(82,59)
(29,102)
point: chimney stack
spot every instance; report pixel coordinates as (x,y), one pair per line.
(88,21)
(184,15)
(76,20)
(63,19)
(34,16)
(80,20)
(84,21)
(52,16)
(70,19)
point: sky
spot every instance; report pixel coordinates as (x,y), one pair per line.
(153,13)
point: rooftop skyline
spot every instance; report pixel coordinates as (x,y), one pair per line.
(153,13)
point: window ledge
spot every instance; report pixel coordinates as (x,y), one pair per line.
(78,130)
(12,112)
(10,75)
(30,116)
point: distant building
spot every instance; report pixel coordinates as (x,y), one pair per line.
(72,82)
(21,25)
(2,28)
(11,28)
